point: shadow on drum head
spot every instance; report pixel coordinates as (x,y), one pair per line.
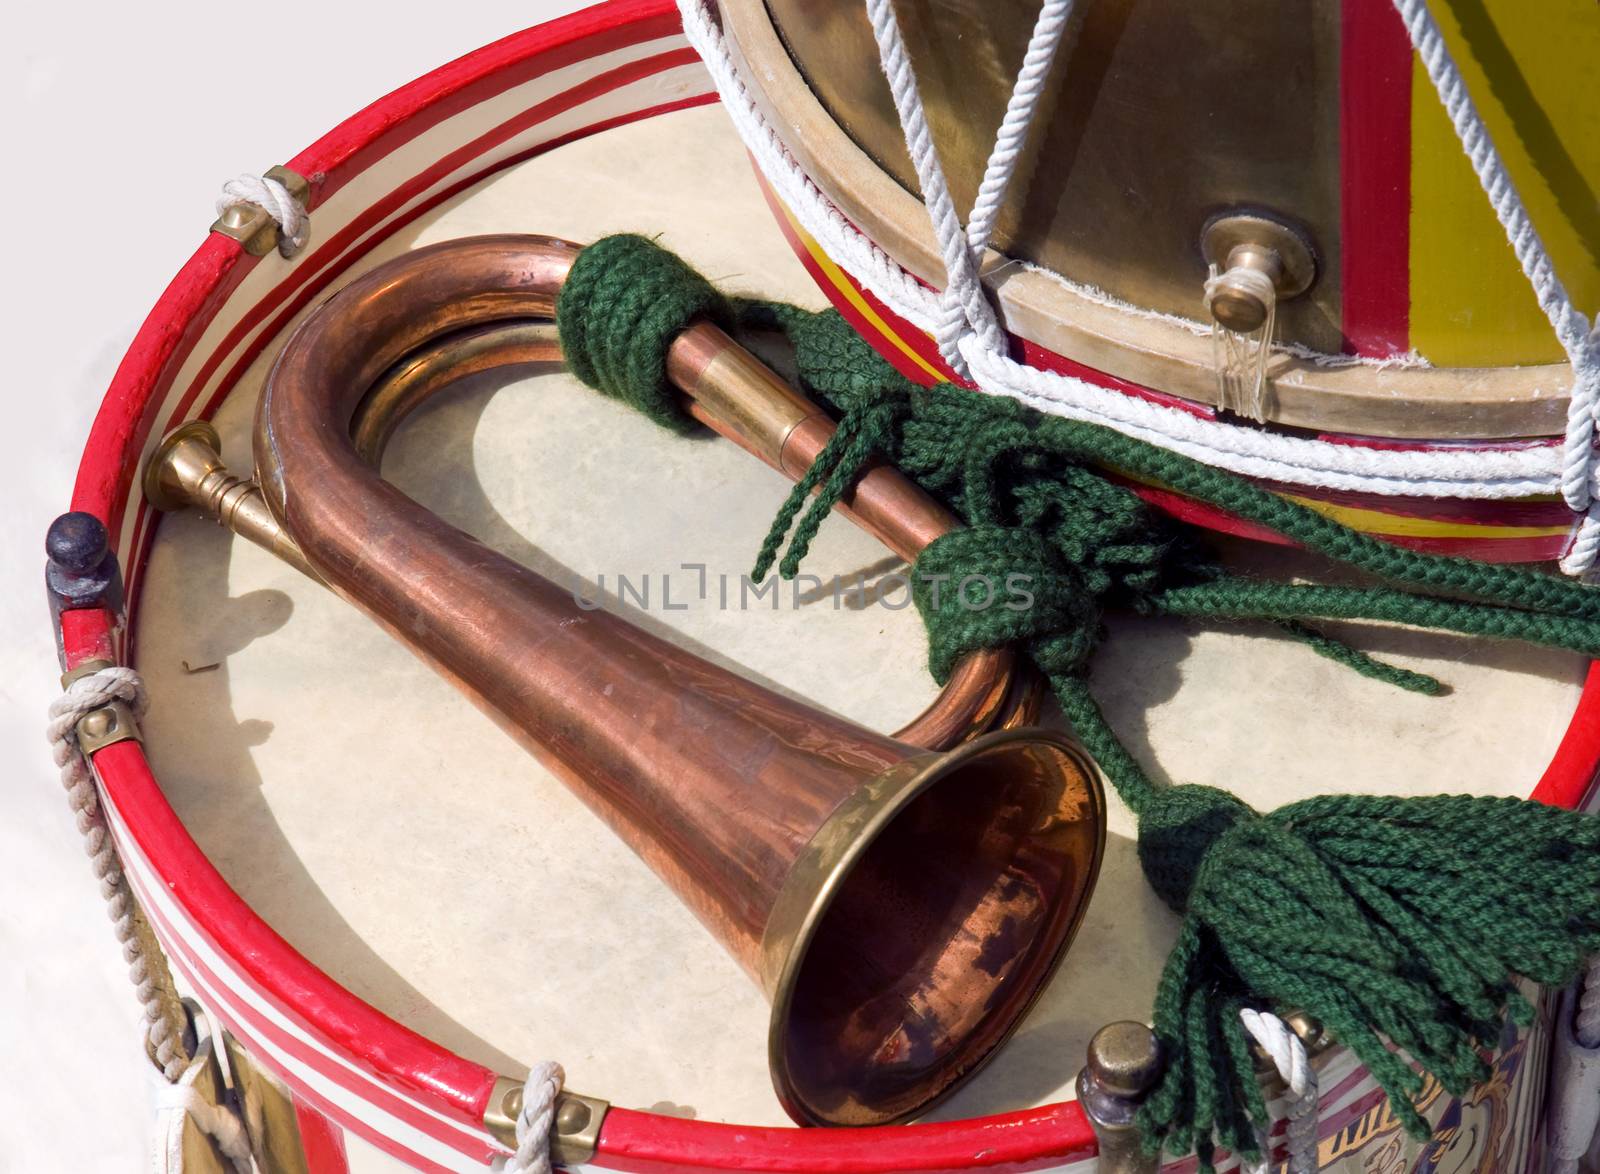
(933,908)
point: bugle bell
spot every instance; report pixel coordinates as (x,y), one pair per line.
(901,908)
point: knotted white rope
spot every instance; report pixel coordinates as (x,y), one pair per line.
(259,191)
(1579,337)
(164,1021)
(1289,1057)
(960,272)
(536,1118)
(881,273)
(218,1122)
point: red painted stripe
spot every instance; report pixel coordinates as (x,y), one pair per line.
(190,302)
(338,1120)
(919,341)
(336,254)
(321,264)
(1493,550)
(891,353)
(392,1052)
(868,330)
(1375,169)
(321,1141)
(1550,512)
(1006,1143)
(255,1031)
(178,319)
(355,248)
(1499,513)
(87,634)
(397,118)
(1571,776)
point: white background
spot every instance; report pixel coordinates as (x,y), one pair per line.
(121,121)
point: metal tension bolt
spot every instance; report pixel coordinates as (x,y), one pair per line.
(1259,261)
(1124,1065)
(110,723)
(574,1134)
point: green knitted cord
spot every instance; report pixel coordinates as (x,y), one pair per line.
(1397,923)
(621,306)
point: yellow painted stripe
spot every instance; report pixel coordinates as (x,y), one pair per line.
(1533,71)
(1370,521)
(853,296)
(1378,522)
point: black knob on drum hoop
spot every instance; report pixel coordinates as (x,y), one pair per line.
(80,569)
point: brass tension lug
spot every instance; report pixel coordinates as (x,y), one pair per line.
(1255,262)
(1242,246)
(574,1134)
(112,722)
(252,227)
(1124,1065)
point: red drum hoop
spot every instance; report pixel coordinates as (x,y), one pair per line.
(350,1068)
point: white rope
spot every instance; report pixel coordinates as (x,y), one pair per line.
(294,225)
(1289,1057)
(163,1017)
(961,278)
(1516,470)
(870,264)
(218,1122)
(1587,1026)
(1578,336)
(536,1118)
(1571,1115)
(964,307)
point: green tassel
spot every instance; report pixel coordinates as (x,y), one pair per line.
(1398,920)
(1397,923)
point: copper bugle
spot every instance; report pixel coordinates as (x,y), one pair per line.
(901,908)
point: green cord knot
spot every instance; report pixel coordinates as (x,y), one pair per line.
(990,586)
(621,306)
(1178,828)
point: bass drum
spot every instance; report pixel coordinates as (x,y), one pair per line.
(380,903)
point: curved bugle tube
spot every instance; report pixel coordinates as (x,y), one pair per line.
(901,908)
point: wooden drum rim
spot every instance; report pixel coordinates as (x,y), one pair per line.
(411,1097)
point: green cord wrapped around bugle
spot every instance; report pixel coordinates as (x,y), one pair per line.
(1398,923)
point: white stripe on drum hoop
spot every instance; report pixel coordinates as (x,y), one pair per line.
(673,82)
(329,1079)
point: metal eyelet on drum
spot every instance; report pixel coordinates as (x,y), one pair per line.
(256,229)
(1254,263)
